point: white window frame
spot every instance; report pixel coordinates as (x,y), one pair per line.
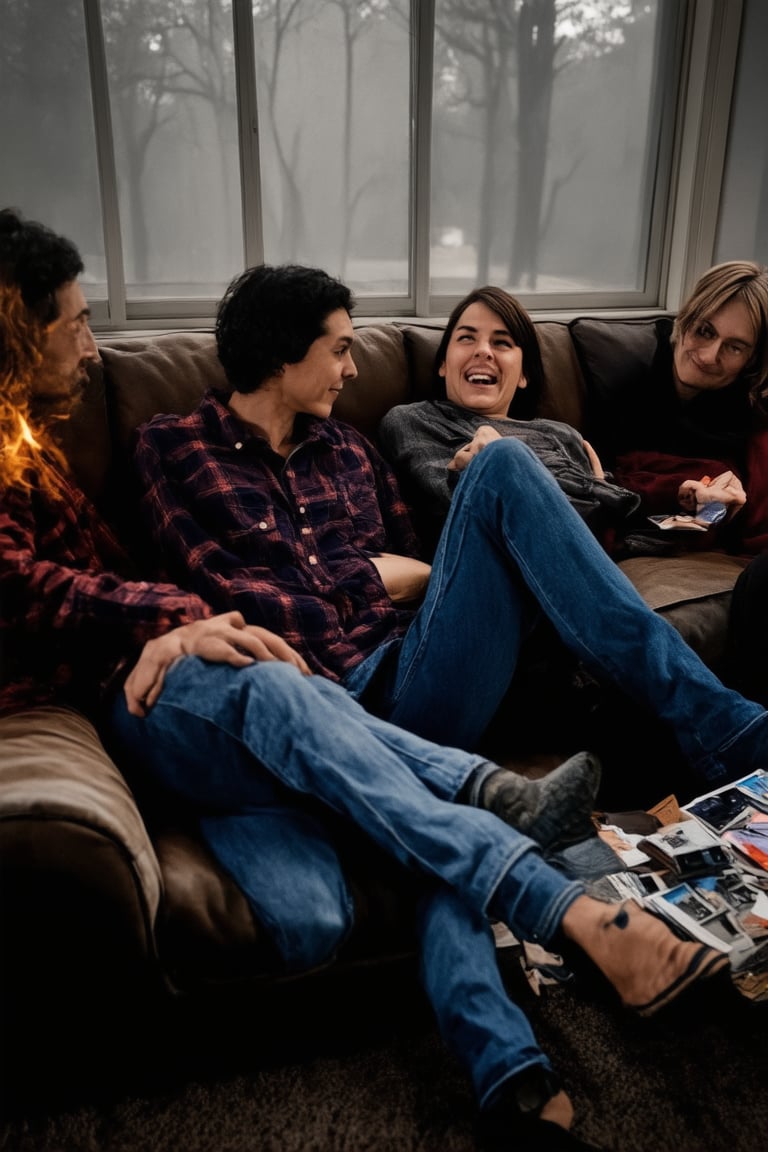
(682,206)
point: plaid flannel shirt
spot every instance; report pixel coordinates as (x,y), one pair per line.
(68,619)
(288,542)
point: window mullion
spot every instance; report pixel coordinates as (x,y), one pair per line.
(423,25)
(248,131)
(105,151)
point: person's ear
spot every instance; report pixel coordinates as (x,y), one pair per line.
(441,369)
(522,382)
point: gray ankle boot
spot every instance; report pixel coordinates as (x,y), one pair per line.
(556,809)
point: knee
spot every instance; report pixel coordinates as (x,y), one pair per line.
(503,458)
(311,931)
(273,688)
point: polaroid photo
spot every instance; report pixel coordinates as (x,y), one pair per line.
(722,809)
(755,787)
(687,848)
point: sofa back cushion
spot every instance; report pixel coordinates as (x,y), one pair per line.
(168,372)
(382,378)
(146,375)
(615,358)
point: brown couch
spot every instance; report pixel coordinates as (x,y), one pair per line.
(100,893)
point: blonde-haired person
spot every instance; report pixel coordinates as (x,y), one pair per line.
(687,424)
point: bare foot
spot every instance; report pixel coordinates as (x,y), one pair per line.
(641,957)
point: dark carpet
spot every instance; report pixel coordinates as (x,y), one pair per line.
(354,1064)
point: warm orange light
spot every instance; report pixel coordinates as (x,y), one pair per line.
(13,448)
(26,435)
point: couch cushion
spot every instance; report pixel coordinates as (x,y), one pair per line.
(614,352)
(208,934)
(146,375)
(693,594)
(616,357)
(382,378)
(80,884)
(563,397)
(169,372)
(421,342)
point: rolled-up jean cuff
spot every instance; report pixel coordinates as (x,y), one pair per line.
(532,898)
(476,779)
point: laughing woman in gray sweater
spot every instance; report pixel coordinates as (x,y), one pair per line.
(489,379)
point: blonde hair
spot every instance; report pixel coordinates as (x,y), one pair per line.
(744,282)
(26,446)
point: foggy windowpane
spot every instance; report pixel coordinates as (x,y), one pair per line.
(172,96)
(333,83)
(542,160)
(47,141)
(743,225)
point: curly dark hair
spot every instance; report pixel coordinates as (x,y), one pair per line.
(525,402)
(36,260)
(269,316)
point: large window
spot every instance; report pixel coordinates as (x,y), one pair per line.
(548,144)
(413,148)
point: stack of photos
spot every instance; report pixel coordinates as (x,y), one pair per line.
(707,875)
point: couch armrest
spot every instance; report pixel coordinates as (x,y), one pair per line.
(80,884)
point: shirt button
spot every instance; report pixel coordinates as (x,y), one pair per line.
(302,509)
(306,531)
(239,445)
(313,559)
(263,524)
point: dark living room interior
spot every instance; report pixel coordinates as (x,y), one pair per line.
(594,158)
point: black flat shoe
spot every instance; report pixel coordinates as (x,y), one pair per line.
(512,1121)
(532,1134)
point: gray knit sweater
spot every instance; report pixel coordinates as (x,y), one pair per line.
(420,440)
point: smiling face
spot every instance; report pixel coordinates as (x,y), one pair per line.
(313,384)
(713,352)
(483,366)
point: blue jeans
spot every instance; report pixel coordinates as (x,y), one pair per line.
(512,547)
(244,746)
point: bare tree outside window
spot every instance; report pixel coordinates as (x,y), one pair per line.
(172,88)
(333,83)
(514,167)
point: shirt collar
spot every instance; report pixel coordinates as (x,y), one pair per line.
(226,428)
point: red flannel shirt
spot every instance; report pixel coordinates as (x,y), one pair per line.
(67,619)
(287,542)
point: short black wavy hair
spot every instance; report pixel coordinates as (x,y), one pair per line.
(37,261)
(270,315)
